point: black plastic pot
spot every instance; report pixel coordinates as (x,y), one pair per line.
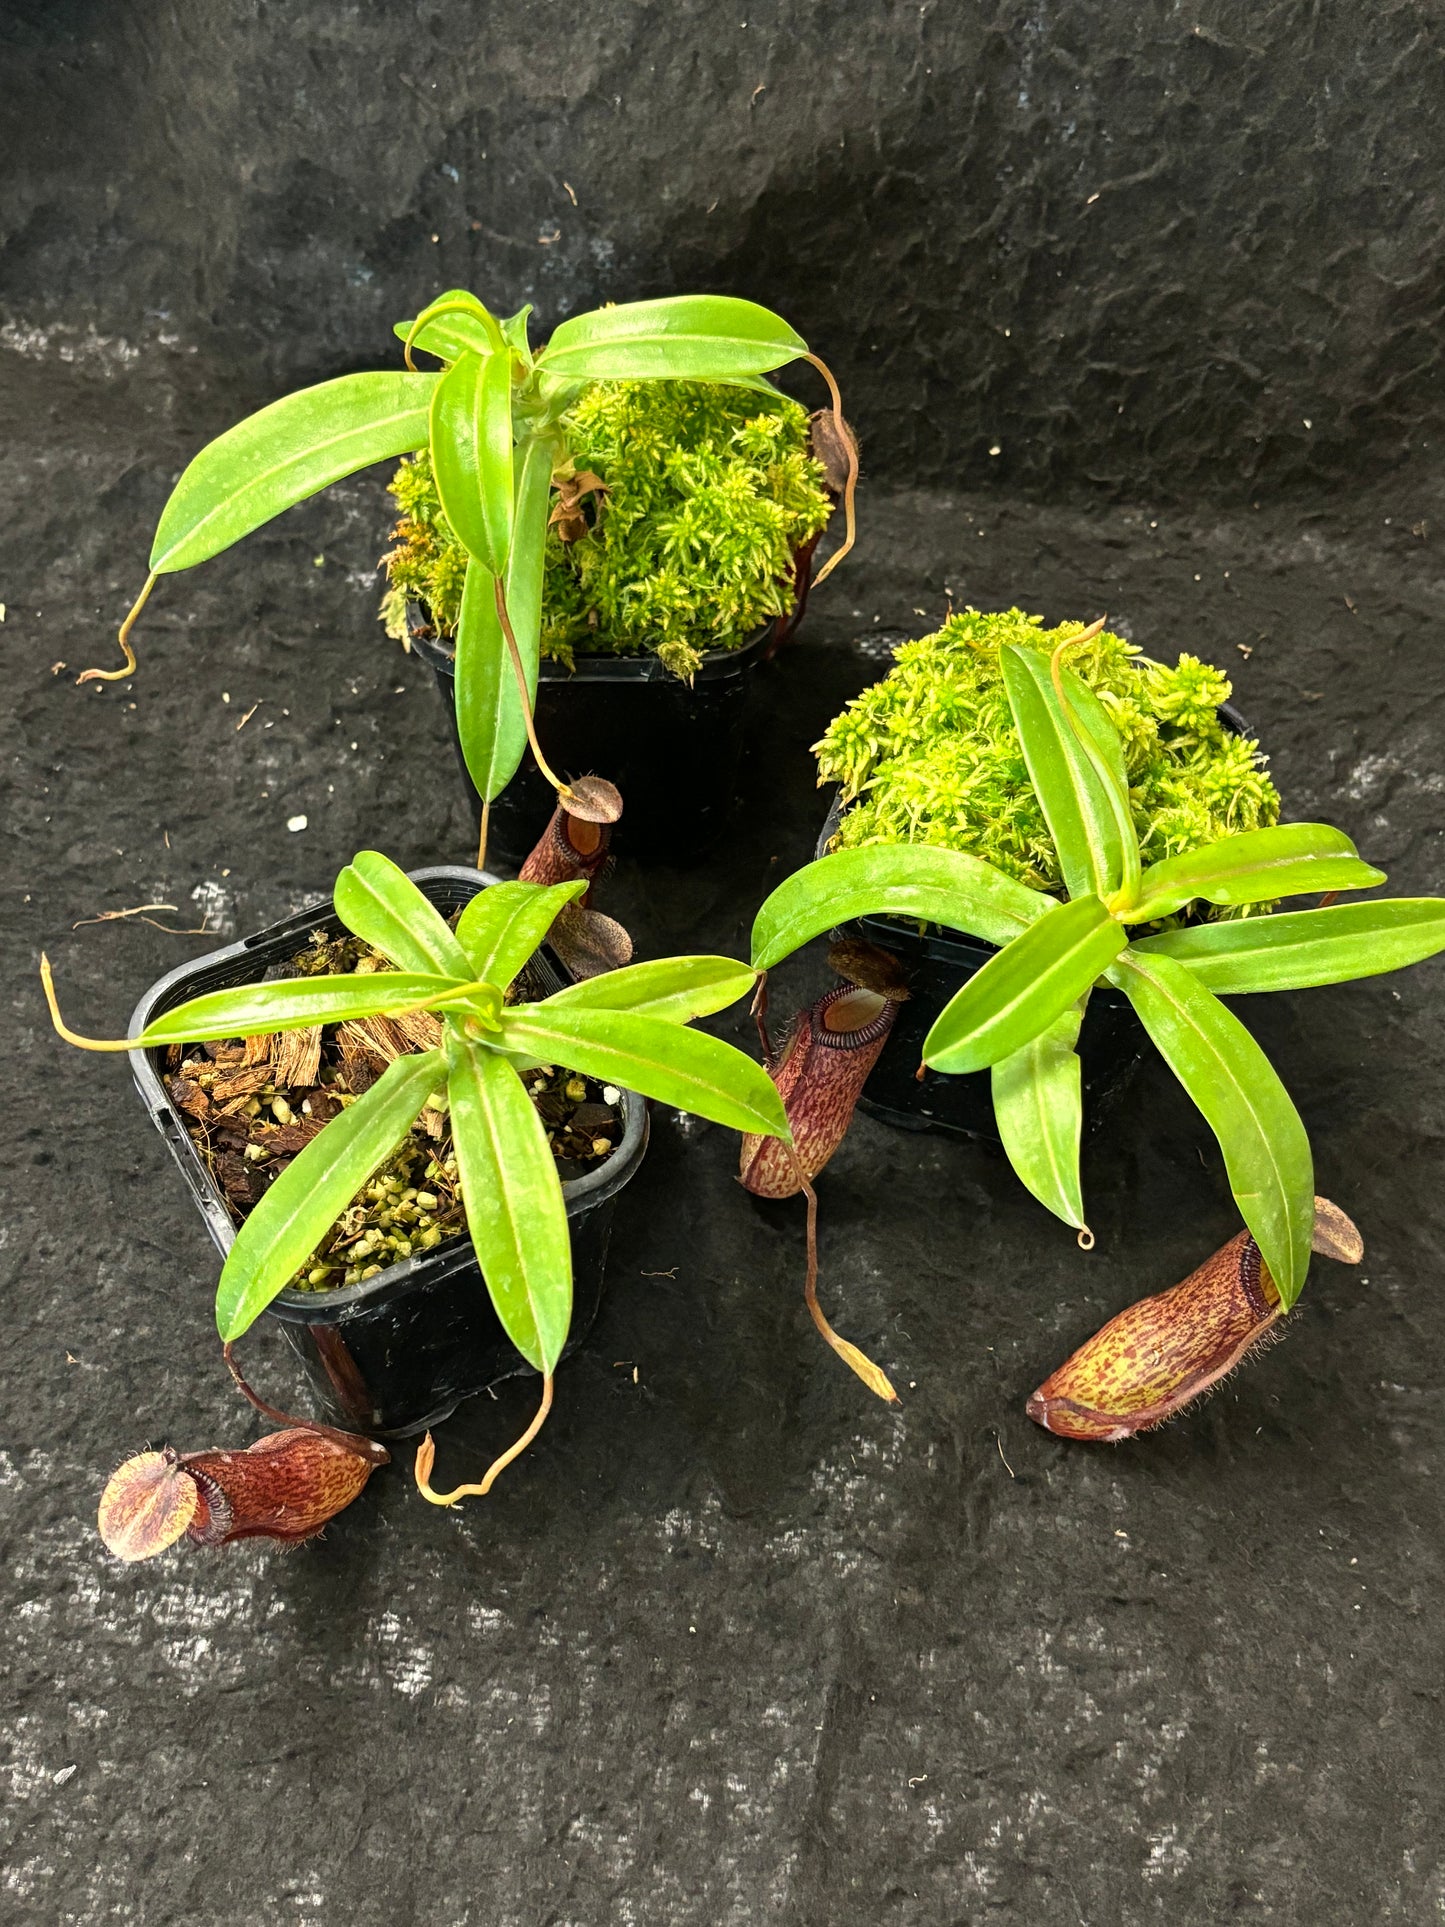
(937,965)
(399,1352)
(672,748)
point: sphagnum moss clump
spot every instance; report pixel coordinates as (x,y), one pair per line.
(709,492)
(931,755)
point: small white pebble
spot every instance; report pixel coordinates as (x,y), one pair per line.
(610,1093)
(296,823)
(225,695)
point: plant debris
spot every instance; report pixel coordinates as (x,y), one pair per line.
(252,1103)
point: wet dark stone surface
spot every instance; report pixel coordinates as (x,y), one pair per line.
(734,1642)
(1141,249)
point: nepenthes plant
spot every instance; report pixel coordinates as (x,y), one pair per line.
(491,421)
(1019,1016)
(627,1027)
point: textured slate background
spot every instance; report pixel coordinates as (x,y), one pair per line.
(1146,248)
(734,1643)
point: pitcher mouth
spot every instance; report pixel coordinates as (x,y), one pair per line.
(866,1015)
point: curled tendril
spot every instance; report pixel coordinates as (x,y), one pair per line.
(426,1454)
(123,638)
(845,435)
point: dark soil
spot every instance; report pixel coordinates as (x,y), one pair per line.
(734,1642)
(252,1105)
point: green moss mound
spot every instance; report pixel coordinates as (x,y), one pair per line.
(930,754)
(710,490)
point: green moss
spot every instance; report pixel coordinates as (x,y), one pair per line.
(930,754)
(709,492)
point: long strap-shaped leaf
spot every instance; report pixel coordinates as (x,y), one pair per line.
(1286,860)
(296,1004)
(288,451)
(1038,1108)
(471,450)
(1301,948)
(1078,791)
(502,926)
(676,989)
(1024,988)
(685,1068)
(382,906)
(515,1210)
(1266,1152)
(316,1187)
(691,337)
(490,724)
(898,880)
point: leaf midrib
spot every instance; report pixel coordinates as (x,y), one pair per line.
(256,481)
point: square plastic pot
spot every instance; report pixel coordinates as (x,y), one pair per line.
(673,748)
(397,1353)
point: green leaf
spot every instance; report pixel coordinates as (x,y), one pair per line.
(893,880)
(688,337)
(295,1003)
(1301,948)
(1078,775)
(490,722)
(501,927)
(676,989)
(756,384)
(276,458)
(316,1187)
(514,333)
(684,1068)
(380,904)
(1038,1107)
(1266,1152)
(513,1197)
(466,327)
(1024,988)
(471,448)
(1287,860)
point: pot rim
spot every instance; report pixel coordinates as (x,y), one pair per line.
(579,1195)
(642,666)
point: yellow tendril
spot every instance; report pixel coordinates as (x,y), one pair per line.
(872,1376)
(74,1036)
(123,638)
(426,1454)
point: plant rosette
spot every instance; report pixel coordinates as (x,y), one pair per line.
(491,422)
(389,1321)
(679,572)
(931,755)
(627,1028)
(1019,1016)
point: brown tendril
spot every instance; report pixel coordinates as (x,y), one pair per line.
(759,1010)
(850,486)
(353,1441)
